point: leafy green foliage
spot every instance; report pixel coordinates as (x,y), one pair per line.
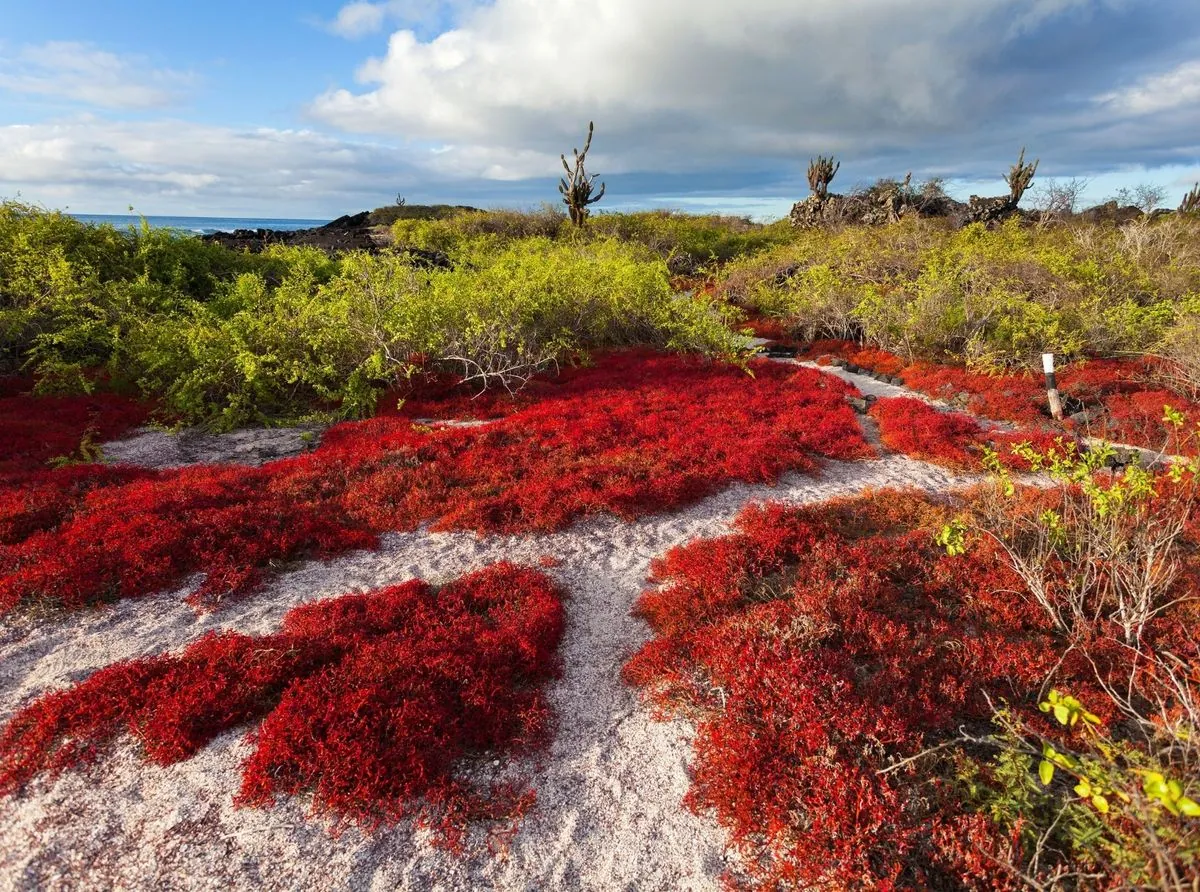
(685,240)
(389,214)
(227,338)
(468,230)
(992,298)
(1100,803)
(70,293)
(701,238)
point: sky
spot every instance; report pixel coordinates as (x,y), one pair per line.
(316,108)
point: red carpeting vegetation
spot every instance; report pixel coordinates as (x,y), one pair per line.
(952,439)
(368,702)
(1123,399)
(634,435)
(915,428)
(43,499)
(816,648)
(35,430)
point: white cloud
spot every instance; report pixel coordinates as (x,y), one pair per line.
(1161,92)
(358,19)
(82,73)
(681,84)
(692,99)
(171,166)
(363,17)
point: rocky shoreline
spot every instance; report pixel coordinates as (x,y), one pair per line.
(353,232)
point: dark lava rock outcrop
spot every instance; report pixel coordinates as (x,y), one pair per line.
(352,232)
(885,202)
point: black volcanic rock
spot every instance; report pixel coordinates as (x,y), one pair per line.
(352,232)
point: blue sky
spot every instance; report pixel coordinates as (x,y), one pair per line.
(314,108)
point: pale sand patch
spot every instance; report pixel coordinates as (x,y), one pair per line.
(152,448)
(610,785)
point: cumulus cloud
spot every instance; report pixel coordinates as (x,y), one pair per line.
(699,84)
(179,167)
(363,17)
(693,79)
(358,19)
(1173,89)
(79,72)
(473,101)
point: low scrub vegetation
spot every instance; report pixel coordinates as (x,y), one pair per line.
(228,337)
(1006,700)
(988,298)
(688,242)
(368,703)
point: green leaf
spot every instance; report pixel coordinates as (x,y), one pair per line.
(1046,772)
(1188,807)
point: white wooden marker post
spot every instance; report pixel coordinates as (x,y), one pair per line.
(1052,386)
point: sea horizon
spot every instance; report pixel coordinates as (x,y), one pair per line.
(199,225)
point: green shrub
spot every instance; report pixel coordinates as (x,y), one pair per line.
(450,234)
(386,216)
(69,291)
(689,241)
(254,352)
(698,239)
(1181,346)
(334,335)
(992,298)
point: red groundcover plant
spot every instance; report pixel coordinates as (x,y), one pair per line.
(368,702)
(35,430)
(820,647)
(917,429)
(1122,399)
(634,435)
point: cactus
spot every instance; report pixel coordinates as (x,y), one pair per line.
(576,187)
(821,171)
(1191,201)
(1020,176)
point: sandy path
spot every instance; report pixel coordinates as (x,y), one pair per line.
(609,787)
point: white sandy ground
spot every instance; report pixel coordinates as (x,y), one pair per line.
(609,786)
(152,448)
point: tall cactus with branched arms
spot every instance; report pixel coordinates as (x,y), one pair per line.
(1191,201)
(821,171)
(1019,176)
(576,187)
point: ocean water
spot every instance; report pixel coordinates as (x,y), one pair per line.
(200,225)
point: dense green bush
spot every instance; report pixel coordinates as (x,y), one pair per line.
(993,298)
(700,239)
(70,291)
(1181,347)
(386,216)
(450,233)
(335,340)
(687,241)
(227,337)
